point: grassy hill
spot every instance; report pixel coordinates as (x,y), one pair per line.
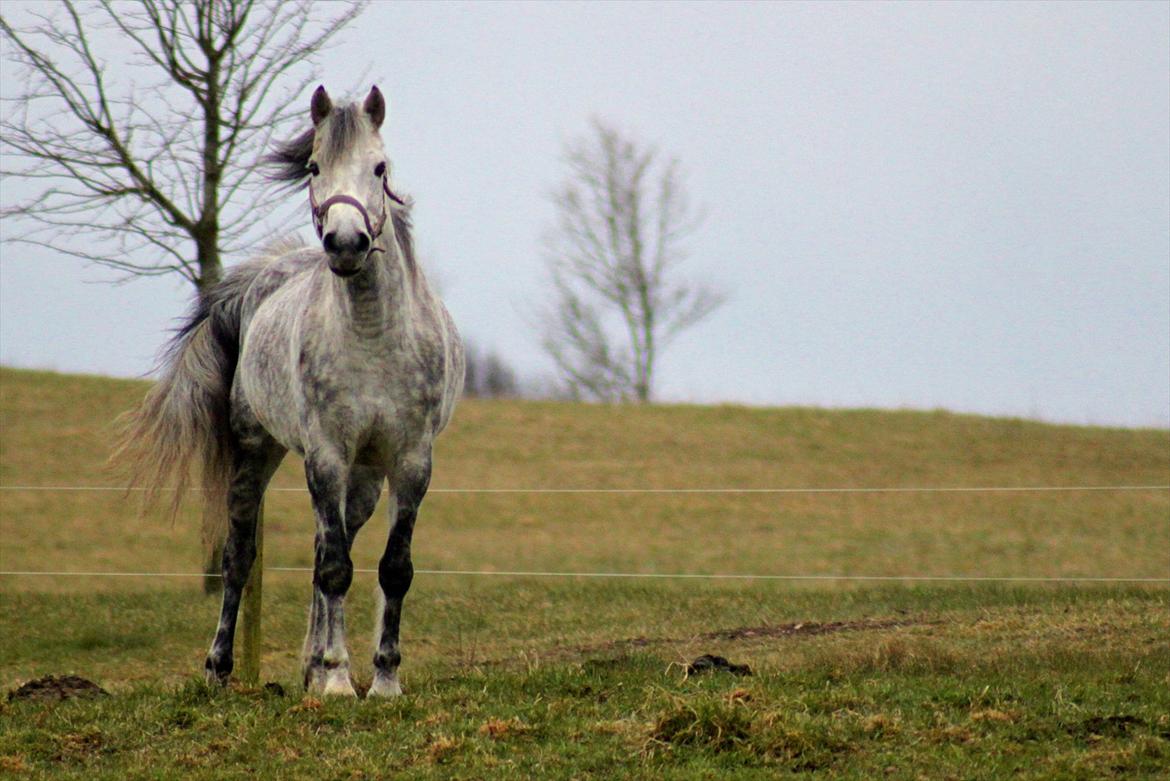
(56,431)
(525,677)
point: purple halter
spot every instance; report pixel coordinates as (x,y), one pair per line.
(320,210)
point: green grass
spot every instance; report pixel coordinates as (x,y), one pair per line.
(571,678)
(984,682)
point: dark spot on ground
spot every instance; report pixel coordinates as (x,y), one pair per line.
(709,663)
(1107,726)
(52,687)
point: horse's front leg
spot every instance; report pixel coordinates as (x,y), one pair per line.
(365,486)
(395,573)
(327,668)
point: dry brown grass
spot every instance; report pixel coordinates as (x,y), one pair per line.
(56,429)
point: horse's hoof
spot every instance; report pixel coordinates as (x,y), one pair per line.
(337,684)
(339,689)
(385,686)
(213,676)
(215,679)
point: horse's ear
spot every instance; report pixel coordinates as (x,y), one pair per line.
(321,105)
(375,106)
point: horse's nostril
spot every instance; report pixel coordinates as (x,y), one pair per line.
(350,245)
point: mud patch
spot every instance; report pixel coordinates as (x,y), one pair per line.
(761,632)
(54,688)
(810,629)
(615,651)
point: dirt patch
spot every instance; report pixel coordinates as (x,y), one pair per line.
(764,631)
(603,653)
(57,688)
(809,629)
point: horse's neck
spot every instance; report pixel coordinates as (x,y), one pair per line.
(378,301)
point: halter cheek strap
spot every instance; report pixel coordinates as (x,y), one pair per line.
(320,210)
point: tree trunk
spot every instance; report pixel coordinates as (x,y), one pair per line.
(210,272)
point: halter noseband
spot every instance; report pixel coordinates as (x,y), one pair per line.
(320,210)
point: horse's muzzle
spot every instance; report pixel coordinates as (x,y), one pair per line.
(345,273)
(347,254)
(355,244)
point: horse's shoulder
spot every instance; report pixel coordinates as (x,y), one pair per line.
(292,263)
(275,272)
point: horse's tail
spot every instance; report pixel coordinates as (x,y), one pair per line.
(185,417)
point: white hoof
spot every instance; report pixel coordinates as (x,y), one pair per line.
(337,684)
(385,686)
(330,683)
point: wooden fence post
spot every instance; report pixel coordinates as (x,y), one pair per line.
(250,642)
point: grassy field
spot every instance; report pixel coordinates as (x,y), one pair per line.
(523,677)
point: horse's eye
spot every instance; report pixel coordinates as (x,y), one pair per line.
(380,169)
(313,169)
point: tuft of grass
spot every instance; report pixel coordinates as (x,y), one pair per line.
(707,724)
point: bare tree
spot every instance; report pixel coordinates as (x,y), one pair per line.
(613,258)
(141,122)
(488,376)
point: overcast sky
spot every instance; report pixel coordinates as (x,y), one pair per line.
(917,205)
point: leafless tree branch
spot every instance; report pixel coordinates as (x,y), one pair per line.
(139,124)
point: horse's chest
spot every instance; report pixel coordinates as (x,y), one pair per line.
(369,397)
(315,379)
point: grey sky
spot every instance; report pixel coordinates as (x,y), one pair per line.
(956,205)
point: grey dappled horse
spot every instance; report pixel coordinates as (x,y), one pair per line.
(340,352)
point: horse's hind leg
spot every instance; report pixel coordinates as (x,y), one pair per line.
(395,573)
(365,486)
(255,463)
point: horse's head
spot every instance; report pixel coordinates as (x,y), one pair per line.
(349,188)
